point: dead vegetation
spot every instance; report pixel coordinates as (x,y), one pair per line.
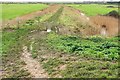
(109,23)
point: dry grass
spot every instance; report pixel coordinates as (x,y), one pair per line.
(110,23)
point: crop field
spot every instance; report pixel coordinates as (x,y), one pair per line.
(10,11)
(51,42)
(94,9)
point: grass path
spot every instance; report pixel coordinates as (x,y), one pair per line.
(33,65)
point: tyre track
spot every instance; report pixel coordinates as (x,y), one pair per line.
(32,65)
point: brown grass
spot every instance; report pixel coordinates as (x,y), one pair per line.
(110,23)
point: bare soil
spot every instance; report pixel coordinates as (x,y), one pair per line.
(32,65)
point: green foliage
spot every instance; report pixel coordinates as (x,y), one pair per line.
(96,39)
(51,64)
(18,74)
(34,55)
(89,69)
(108,45)
(96,47)
(11,11)
(12,43)
(12,38)
(55,17)
(93,9)
(30,22)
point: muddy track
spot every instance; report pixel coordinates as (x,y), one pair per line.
(22,19)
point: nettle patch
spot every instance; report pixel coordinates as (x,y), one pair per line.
(94,47)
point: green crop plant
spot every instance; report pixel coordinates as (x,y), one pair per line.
(95,46)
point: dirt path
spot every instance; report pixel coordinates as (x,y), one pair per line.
(32,65)
(22,19)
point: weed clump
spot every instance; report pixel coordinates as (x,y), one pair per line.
(96,47)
